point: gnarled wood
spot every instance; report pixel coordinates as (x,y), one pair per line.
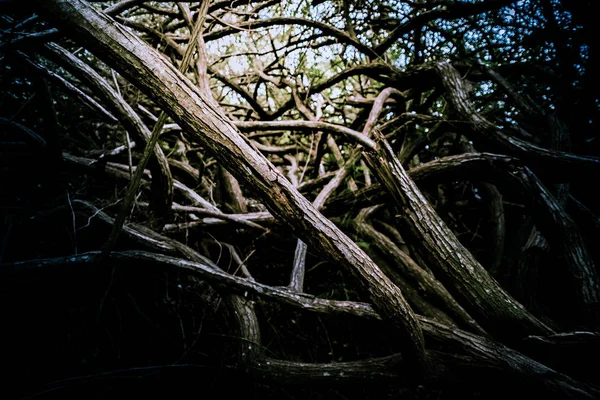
(454,265)
(209,126)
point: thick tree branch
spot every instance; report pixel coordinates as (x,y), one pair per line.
(143,66)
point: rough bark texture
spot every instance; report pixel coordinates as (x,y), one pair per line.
(188,107)
(279,240)
(451,261)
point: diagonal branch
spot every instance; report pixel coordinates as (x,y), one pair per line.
(454,265)
(150,71)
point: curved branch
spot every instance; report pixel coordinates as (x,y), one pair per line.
(557,164)
(342,36)
(147,69)
(305,126)
(456,267)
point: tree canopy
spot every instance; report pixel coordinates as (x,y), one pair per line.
(326,198)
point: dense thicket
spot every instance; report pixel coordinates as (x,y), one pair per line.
(326,199)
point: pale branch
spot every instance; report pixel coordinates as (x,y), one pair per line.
(148,152)
(378,107)
(453,264)
(147,69)
(122,6)
(239,218)
(121,171)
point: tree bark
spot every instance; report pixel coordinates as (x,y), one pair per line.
(455,266)
(157,78)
